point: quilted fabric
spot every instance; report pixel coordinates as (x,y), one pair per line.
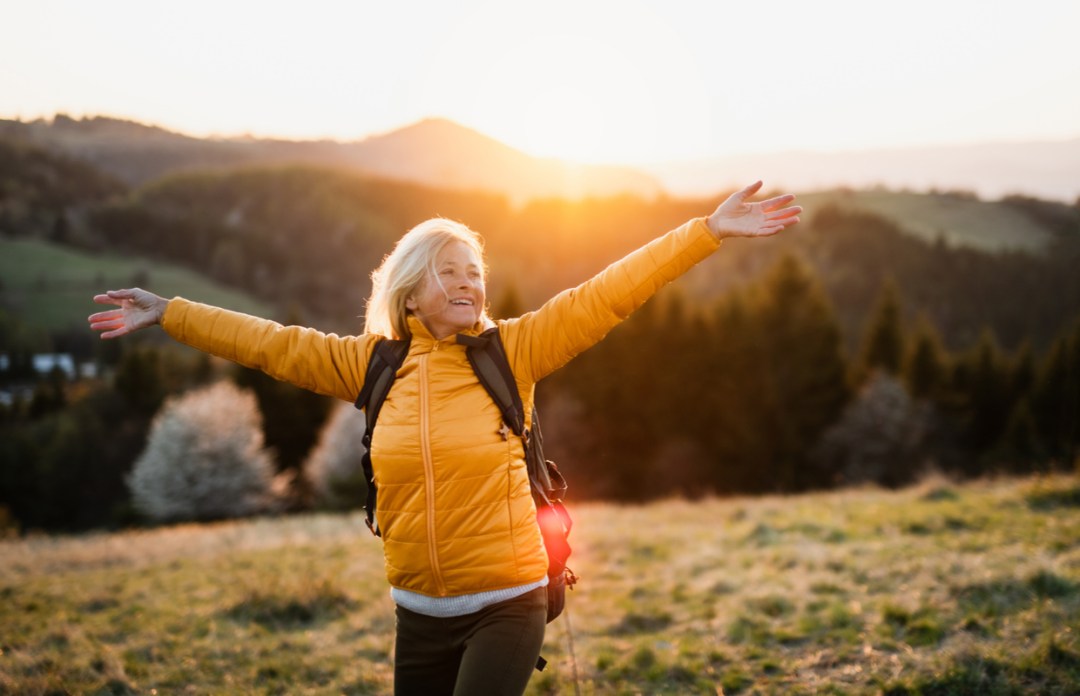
(454,506)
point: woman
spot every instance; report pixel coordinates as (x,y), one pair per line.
(464,555)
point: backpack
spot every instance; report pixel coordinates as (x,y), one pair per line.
(488,359)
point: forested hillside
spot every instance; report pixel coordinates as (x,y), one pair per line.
(849,349)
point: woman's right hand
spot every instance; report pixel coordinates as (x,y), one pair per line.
(138,310)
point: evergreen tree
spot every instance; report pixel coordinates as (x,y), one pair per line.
(927,365)
(986,396)
(1021,373)
(800,373)
(732,406)
(139,379)
(1055,401)
(883,341)
(1021,447)
(292,417)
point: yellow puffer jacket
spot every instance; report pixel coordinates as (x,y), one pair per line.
(454,506)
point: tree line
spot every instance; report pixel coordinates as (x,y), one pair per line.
(848,352)
(753,393)
(756,393)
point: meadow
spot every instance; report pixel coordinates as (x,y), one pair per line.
(51,287)
(941,588)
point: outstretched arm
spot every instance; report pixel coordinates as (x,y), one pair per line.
(323,363)
(138,310)
(542,341)
(737,218)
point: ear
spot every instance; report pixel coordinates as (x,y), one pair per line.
(410,304)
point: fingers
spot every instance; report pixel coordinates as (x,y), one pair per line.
(107,321)
(775,226)
(115,334)
(785,213)
(114,296)
(110,323)
(777,202)
(105,316)
(750,190)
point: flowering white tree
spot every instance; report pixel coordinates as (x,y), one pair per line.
(334,466)
(205,458)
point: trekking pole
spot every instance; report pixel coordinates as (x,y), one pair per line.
(573,657)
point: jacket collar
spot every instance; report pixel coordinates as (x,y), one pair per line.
(423,341)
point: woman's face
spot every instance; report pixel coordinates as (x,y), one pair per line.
(453,299)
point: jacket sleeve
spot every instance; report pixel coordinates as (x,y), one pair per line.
(540,342)
(323,363)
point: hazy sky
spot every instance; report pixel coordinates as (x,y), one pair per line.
(625,81)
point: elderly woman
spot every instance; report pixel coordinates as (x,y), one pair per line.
(464,555)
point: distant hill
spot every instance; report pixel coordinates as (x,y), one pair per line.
(436,152)
(1049,170)
(307,237)
(442,153)
(958,220)
(51,286)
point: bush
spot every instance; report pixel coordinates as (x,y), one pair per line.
(879,437)
(334,466)
(204,459)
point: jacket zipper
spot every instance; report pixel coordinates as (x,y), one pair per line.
(429,475)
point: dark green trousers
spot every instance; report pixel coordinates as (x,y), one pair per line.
(490,653)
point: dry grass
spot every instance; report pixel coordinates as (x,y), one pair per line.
(938,589)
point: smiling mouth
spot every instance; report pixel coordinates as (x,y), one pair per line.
(462,303)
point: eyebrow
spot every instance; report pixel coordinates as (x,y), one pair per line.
(454,263)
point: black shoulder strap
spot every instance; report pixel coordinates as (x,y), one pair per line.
(385,361)
(488,359)
(382,370)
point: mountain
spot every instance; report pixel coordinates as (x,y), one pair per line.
(445,154)
(436,152)
(1048,169)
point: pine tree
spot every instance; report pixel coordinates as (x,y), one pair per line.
(883,341)
(1055,401)
(985,395)
(800,371)
(1021,447)
(139,380)
(927,365)
(293,417)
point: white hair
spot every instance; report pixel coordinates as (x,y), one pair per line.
(406,267)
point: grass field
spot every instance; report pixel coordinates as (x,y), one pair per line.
(937,589)
(51,286)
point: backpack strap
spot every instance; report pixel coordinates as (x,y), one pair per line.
(488,359)
(382,370)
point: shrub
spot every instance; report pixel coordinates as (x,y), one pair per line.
(879,436)
(204,458)
(334,466)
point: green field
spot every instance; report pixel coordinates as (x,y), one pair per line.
(938,589)
(985,225)
(51,287)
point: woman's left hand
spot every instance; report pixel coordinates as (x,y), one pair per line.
(737,218)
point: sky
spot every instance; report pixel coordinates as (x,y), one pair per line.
(615,81)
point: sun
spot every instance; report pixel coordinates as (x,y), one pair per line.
(556,90)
